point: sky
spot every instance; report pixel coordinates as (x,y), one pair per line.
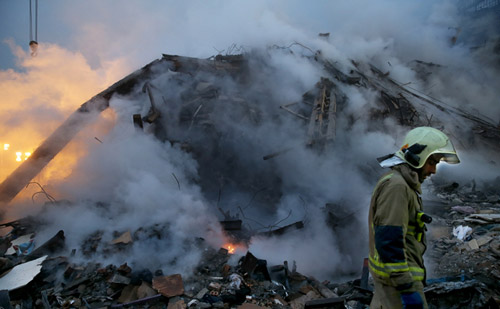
(86,46)
(142,30)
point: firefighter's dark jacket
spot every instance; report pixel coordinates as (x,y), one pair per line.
(397,239)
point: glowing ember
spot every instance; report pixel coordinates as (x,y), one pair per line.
(232,248)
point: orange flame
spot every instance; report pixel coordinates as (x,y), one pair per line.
(232,248)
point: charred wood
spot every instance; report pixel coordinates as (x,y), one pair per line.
(322,123)
(334,302)
(294,113)
(153,113)
(138,121)
(282,230)
(275,154)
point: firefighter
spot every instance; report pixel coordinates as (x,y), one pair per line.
(397,221)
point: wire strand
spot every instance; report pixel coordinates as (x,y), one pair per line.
(31,24)
(36,20)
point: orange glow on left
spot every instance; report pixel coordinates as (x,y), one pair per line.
(38,96)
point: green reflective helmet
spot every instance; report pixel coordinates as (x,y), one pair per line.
(422,142)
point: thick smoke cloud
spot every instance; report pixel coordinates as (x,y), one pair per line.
(142,181)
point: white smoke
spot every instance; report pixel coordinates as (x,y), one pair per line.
(143,181)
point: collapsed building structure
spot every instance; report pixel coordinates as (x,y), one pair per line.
(216,109)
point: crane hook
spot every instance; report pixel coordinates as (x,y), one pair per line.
(33,40)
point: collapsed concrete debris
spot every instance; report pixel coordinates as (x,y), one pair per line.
(466,275)
(54,282)
(465,252)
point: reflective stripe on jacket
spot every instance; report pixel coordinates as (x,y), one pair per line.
(397,240)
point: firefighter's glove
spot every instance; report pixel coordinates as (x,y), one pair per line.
(412,300)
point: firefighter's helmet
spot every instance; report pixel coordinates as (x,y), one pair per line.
(422,142)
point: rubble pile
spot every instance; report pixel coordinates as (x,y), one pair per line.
(48,275)
(54,281)
(464,246)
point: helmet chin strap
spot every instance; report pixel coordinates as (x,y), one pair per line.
(419,172)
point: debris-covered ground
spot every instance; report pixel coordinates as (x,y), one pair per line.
(464,248)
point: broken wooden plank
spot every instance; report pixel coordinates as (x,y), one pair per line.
(139,301)
(331,130)
(282,230)
(315,121)
(294,113)
(275,154)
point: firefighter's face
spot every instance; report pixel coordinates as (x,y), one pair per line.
(429,167)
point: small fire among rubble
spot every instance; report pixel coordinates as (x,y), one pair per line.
(235,248)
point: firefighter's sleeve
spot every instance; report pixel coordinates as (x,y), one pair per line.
(390,227)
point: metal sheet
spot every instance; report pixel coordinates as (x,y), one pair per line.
(21,275)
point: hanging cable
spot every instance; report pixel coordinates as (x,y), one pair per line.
(31,24)
(34,40)
(36,21)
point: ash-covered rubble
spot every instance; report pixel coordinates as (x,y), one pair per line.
(221,279)
(466,274)
(465,246)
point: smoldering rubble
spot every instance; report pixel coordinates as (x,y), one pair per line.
(254,164)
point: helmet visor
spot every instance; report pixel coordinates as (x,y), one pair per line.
(448,152)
